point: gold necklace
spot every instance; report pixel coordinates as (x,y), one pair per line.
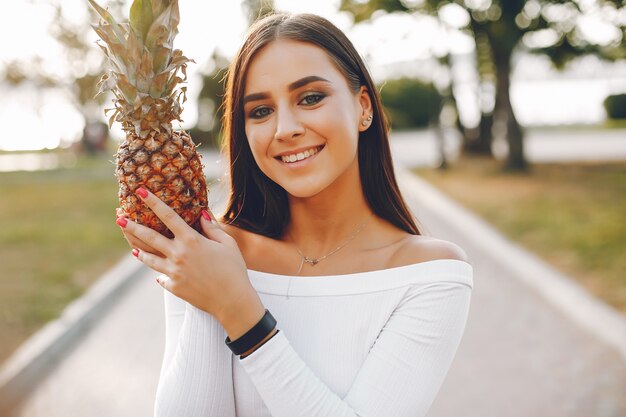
(314,261)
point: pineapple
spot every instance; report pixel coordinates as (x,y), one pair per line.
(144,78)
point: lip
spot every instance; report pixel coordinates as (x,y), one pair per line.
(295,151)
(302,163)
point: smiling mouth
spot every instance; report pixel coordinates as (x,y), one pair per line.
(302,156)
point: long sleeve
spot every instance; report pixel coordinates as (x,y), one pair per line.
(196,374)
(400,376)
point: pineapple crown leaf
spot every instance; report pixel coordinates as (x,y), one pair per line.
(141,17)
(159,5)
(117,29)
(144,73)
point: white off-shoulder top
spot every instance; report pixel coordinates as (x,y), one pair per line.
(367,344)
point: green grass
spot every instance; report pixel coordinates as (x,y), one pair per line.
(615,123)
(58,236)
(571,215)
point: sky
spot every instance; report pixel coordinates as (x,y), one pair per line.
(389,43)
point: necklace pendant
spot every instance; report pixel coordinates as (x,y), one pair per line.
(311,261)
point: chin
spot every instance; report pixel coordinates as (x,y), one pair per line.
(302,192)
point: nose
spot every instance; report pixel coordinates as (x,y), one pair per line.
(288,125)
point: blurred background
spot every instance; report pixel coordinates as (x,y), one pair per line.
(515,109)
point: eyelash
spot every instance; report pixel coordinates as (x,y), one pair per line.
(320,97)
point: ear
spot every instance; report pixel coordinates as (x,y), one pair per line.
(365,107)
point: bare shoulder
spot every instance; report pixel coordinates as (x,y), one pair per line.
(418,248)
(236,233)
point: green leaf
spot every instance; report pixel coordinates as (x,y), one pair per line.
(159,31)
(141,17)
(161,58)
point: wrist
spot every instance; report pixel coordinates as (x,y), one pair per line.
(242,314)
(239,323)
(254,337)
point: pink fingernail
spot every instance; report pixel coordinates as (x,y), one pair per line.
(142,192)
(135,252)
(121,222)
(205,214)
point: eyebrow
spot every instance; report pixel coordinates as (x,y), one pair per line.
(293,86)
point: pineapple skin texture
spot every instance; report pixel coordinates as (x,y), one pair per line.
(169,166)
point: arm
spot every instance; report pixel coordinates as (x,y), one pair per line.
(400,377)
(196,375)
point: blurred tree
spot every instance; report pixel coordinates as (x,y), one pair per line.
(256,9)
(615,106)
(87,69)
(85,65)
(480,143)
(363,11)
(550,27)
(16,72)
(210,107)
(411,103)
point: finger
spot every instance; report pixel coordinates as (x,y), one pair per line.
(212,228)
(133,242)
(212,217)
(151,261)
(146,235)
(164,281)
(164,212)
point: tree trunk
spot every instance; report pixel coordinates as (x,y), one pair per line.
(479,142)
(504,111)
(450,99)
(441,145)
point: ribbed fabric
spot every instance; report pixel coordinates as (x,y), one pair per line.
(369,344)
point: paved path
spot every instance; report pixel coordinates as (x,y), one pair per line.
(520,356)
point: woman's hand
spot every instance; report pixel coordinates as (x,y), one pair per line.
(133,241)
(207,271)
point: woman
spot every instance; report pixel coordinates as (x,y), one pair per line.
(316,276)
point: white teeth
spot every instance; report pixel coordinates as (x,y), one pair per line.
(300,156)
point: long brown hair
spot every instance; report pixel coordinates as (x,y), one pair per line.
(258,204)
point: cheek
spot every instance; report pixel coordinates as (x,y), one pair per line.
(341,123)
(259,143)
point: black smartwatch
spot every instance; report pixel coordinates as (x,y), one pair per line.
(253,336)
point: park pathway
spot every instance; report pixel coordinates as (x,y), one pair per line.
(520,356)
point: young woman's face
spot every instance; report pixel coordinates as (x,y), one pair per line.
(296,100)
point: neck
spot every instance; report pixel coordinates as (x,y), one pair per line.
(321,223)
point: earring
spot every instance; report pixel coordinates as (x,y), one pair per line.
(369,119)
